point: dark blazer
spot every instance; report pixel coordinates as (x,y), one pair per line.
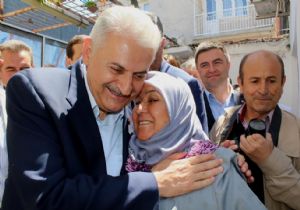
(196,88)
(56,158)
(198,94)
(238,98)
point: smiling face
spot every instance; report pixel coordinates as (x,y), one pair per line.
(213,68)
(116,70)
(12,63)
(262,84)
(150,114)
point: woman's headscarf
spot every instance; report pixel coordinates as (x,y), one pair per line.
(184,123)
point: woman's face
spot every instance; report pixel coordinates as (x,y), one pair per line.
(150,114)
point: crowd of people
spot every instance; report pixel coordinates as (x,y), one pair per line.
(125,128)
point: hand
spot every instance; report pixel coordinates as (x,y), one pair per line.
(177,177)
(230,144)
(244,168)
(256,147)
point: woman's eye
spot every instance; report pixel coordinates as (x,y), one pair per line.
(152,100)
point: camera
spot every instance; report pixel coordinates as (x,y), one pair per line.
(256,126)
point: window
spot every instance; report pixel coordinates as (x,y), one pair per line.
(211,9)
(227,8)
(240,6)
(146,7)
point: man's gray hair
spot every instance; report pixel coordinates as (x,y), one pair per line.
(15,46)
(126,21)
(208,45)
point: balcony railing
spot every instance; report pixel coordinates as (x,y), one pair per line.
(230,20)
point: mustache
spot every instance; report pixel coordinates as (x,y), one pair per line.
(116,91)
(264,97)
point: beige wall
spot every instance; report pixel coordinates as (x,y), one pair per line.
(177,17)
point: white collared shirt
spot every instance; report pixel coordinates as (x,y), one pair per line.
(111,131)
(218,108)
(3,148)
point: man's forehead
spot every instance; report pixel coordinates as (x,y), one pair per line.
(212,54)
(20,53)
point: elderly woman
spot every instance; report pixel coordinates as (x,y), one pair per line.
(165,122)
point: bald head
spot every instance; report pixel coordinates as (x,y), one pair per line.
(261,81)
(261,57)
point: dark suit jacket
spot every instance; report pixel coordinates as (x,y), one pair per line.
(56,158)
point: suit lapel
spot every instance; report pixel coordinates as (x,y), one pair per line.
(82,118)
(126,138)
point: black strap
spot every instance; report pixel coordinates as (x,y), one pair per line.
(210,117)
(126,138)
(275,125)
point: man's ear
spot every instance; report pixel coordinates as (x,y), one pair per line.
(1,63)
(86,49)
(240,83)
(283,80)
(68,62)
(163,42)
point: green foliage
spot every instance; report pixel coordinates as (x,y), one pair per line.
(90,4)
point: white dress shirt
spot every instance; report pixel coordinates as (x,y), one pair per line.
(3,149)
(111,131)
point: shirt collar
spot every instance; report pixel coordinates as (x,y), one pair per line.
(230,97)
(241,117)
(92,100)
(164,66)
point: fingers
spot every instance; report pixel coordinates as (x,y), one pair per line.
(240,159)
(209,173)
(250,179)
(177,156)
(226,143)
(244,167)
(201,158)
(206,167)
(203,183)
(230,144)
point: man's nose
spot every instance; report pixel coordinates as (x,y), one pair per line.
(126,85)
(211,67)
(263,88)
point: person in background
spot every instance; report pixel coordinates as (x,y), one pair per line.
(172,60)
(74,49)
(58,162)
(190,67)
(274,154)
(15,56)
(213,64)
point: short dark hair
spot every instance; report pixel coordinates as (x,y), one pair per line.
(208,45)
(77,39)
(244,59)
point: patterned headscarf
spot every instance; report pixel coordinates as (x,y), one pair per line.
(184,123)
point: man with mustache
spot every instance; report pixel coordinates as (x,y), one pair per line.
(213,64)
(275,159)
(67,133)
